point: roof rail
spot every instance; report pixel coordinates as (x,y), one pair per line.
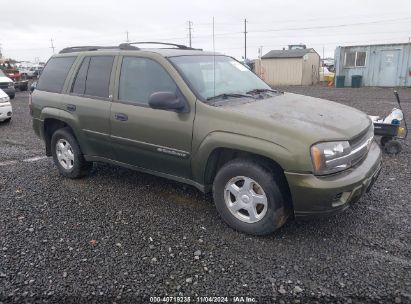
(179,46)
(122,46)
(86,48)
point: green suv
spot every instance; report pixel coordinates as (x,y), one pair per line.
(205,119)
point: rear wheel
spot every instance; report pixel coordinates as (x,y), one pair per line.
(248,197)
(67,154)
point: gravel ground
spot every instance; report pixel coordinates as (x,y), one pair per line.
(123,236)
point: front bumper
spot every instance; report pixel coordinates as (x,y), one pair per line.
(5,111)
(326,195)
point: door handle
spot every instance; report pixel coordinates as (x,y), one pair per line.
(121,116)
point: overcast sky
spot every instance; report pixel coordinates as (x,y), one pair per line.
(28,26)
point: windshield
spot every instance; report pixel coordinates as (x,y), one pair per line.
(231,77)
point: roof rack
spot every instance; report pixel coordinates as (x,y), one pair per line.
(179,46)
(86,48)
(122,46)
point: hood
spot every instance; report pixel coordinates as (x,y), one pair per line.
(5,79)
(313,119)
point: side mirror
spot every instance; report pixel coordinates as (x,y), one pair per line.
(33,86)
(166,101)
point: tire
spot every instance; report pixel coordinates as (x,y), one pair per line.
(24,87)
(12,96)
(392,147)
(384,140)
(7,120)
(264,182)
(68,156)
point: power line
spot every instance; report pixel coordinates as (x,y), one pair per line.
(331,26)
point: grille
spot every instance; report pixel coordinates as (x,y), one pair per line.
(4,85)
(361,145)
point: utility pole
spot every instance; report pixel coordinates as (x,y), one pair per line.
(1,55)
(52,45)
(127,37)
(245,41)
(190,28)
(260,53)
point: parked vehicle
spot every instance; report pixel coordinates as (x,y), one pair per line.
(6,110)
(7,85)
(34,72)
(20,81)
(325,74)
(204,119)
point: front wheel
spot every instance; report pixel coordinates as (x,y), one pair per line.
(67,155)
(249,197)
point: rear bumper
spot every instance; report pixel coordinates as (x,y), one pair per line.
(326,195)
(5,112)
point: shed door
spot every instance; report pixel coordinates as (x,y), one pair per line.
(388,73)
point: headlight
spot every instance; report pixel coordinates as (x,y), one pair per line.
(329,157)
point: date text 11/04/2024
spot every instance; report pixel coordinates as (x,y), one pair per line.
(182,299)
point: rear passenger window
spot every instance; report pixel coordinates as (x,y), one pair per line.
(54,74)
(93,77)
(141,77)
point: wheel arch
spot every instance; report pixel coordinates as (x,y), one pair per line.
(221,156)
(51,125)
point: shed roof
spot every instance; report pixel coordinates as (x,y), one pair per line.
(287,53)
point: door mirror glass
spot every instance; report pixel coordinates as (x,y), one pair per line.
(166,101)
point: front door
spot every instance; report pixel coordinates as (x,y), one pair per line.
(388,74)
(153,139)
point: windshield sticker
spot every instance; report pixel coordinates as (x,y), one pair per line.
(238,66)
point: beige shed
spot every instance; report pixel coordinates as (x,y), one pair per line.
(289,67)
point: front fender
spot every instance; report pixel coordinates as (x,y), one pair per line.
(239,142)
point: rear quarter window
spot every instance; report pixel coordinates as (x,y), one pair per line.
(54,74)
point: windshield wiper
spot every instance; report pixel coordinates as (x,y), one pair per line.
(257,91)
(227,95)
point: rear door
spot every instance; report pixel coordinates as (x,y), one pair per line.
(89,101)
(153,139)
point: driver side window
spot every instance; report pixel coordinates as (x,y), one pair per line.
(141,77)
